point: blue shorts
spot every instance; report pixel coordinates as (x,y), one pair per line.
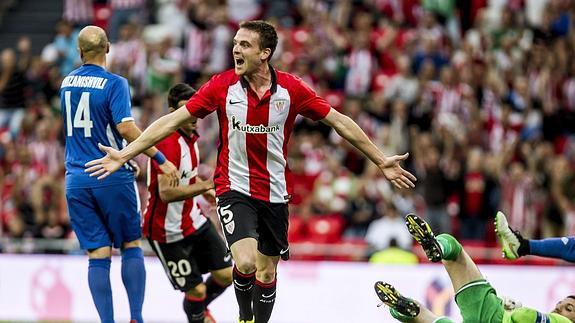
(105,216)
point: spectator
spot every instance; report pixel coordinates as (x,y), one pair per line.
(360,213)
(403,85)
(436,189)
(122,12)
(221,36)
(163,66)
(79,12)
(196,43)
(12,91)
(65,44)
(383,231)
(128,56)
(393,255)
(473,218)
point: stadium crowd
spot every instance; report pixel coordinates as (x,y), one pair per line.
(481,93)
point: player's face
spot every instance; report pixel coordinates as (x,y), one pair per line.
(248,55)
(566,307)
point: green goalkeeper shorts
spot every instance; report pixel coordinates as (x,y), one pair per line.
(478,303)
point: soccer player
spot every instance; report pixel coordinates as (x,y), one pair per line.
(257,106)
(96,109)
(515,246)
(476,299)
(186,241)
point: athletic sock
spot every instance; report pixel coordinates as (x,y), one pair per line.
(561,248)
(244,287)
(398,316)
(194,308)
(450,247)
(100,288)
(213,289)
(264,300)
(525,248)
(134,279)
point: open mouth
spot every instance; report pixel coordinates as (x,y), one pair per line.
(239,62)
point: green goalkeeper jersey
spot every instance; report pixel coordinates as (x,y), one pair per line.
(523,315)
(529,315)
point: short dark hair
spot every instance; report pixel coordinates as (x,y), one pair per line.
(179,92)
(266,31)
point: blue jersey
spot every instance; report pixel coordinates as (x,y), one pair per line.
(93,102)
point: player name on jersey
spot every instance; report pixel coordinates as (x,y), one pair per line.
(84,81)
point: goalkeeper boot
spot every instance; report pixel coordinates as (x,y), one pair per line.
(511,241)
(422,233)
(400,307)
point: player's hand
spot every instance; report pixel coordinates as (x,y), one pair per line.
(106,165)
(210,196)
(172,172)
(510,304)
(398,176)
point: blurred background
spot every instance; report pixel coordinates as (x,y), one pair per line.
(480,92)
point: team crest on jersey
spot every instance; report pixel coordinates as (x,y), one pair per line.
(181,281)
(230,227)
(280,105)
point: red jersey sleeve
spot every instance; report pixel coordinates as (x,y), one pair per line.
(204,101)
(308,103)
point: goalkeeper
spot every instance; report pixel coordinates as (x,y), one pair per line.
(474,296)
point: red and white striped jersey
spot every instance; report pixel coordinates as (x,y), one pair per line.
(171,222)
(254,132)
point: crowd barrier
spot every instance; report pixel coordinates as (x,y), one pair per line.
(54,288)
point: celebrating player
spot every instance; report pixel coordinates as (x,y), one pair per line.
(474,296)
(515,246)
(96,109)
(186,242)
(257,106)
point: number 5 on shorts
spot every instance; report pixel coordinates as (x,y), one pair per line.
(227,218)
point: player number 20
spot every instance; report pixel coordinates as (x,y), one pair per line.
(82,115)
(180,268)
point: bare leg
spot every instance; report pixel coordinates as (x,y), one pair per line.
(445,248)
(462,270)
(425,315)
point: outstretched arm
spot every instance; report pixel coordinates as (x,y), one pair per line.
(157,131)
(129,131)
(390,166)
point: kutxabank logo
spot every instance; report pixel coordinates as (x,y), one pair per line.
(247,128)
